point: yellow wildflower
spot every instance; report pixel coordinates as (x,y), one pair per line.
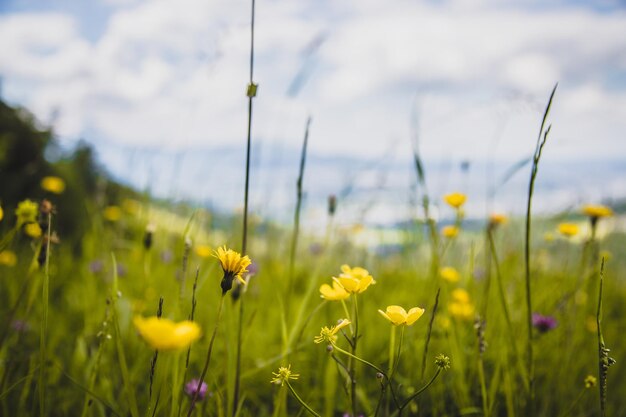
(112,213)
(461,307)
(164,334)
(460,295)
(354,280)
(398,315)
(450,231)
(54,185)
(8,258)
(234,266)
(329,334)
(283,375)
(203,251)
(496,219)
(455,200)
(597,211)
(450,274)
(334,293)
(33,230)
(1,213)
(568,229)
(26,212)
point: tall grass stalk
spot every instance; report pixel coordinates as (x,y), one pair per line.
(251,93)
(44,320)
(296,218)
(429,332)
(604,360)
(541,141)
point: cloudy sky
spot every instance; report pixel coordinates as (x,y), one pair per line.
(471,77)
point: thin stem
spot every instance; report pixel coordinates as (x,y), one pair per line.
(44,322)
(424,388)
(305,405)
(355,338)
(430,329)
(208,357)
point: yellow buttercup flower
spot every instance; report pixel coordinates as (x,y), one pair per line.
(461,307)
(450,274)
(329,334)
(203,251)
(1,213)
(112,213)
(164,334)
(8,258)
(334,293)
(398,315)
(568,229)
(53,185)
(26,212)
(450,231)
(33,230)
(496,219)
(234,266)
(455,200)
(283,375)
(597,211)
(354,280)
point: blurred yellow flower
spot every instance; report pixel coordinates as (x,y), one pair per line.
(131,206)
(233,264)
(450,231)
(461,307)
(398,315)
(33,230)
(1,213)
(455,200)
(497,219)
(334,293)
(8,258)
(112,213)
(568,229)
(597,211)
(354,280)
(450,274)
(54,185)
(26,212)
(590,381)
(329,334)
(164,334)
(203,251)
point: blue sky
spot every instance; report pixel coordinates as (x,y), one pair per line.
(157,75)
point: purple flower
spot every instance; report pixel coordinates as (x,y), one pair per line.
(543,323)
(316,249)
(191,388)
(96,266)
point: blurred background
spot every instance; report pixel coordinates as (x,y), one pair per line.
(153,92)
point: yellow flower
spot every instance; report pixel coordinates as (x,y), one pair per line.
(568,229)
(283,375)
(54,185)
(590,381)
(461,307)
(354,280)
(334,293)
(460,295)
(450,274)
(131,206)
(203,251)
(33,230)
(398,315)
(164,334)
(455,200)
(234,266)
(597,211)
(26,212)
(1,213)
(8,258)
(497,219)
(112,213)
(329,334)
(450,231)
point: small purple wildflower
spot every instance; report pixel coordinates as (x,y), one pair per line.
(192,386)
(121,270)
(543,323)
(96,266)
(316,249)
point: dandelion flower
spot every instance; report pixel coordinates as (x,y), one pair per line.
(450,274)
(112,213)
(8,258)
(455,200)
(234,266)
(354,280)
(398,315)
(597,211)
(334,293)
(26,212)
(283,375)
(54,185)
(568,229)
(33,230)
(164,334)
(203,251)
(329,334)
(450,231)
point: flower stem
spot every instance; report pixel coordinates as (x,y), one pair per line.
(44,323)
(305,405)
(414,396)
